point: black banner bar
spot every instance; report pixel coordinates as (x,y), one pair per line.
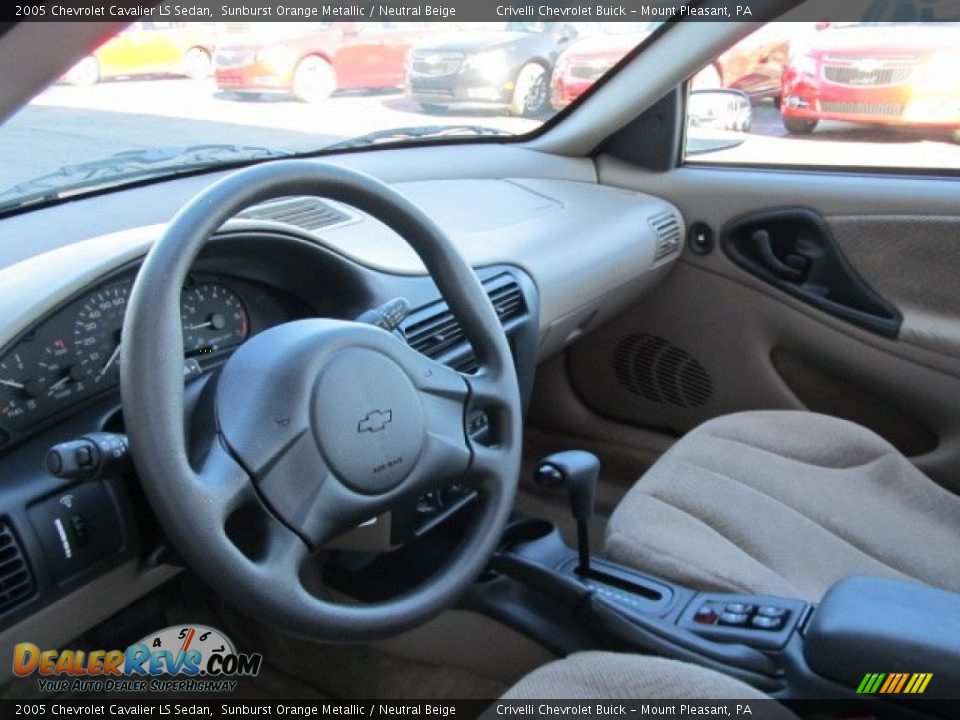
(478,10)
(187,707)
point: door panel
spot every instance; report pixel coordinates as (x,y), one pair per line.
(914,262)
(715,338)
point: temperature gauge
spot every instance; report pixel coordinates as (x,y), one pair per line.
(213,318)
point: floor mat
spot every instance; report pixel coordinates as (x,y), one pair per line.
(360,671)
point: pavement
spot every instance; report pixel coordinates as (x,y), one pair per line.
(66,125)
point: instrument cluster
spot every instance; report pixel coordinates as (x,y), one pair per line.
(74,354)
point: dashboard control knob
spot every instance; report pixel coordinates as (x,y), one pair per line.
(388,316)
(92,456)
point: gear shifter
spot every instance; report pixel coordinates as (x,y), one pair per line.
(577,471)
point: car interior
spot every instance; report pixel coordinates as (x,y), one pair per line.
(566,414)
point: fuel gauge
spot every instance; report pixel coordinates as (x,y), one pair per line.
(19,389)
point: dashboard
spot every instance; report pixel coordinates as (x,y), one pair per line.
(72,356)
(557,253)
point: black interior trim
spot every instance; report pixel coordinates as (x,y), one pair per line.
(799,255)
(654,139)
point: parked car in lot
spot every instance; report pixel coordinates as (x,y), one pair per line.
(509,67)
(149,48)
(753,66)
(313,60)
(875,73)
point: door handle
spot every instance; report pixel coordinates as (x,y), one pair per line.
(793,268)
(793,249)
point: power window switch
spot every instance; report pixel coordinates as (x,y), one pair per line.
(771,611)
(762,622)
(735,619)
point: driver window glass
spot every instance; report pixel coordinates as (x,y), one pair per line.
(831,94)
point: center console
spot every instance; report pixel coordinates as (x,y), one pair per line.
(622,608)
(569,600)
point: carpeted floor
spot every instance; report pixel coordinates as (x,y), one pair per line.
(358,671)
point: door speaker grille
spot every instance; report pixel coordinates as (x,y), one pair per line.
(649,366)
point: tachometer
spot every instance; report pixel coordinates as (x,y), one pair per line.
(213,318)
(96,333)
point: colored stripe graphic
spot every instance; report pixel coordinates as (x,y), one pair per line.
(894,683)
(903,681)
(891,680)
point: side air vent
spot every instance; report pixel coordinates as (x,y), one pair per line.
(439,331)
(306,213)
(649,366)
(16,582)
(667,227)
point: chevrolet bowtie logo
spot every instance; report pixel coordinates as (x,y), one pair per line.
(866,65)
(375,421)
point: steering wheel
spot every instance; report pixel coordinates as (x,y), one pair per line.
(321,424)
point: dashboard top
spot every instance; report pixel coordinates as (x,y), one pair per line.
(578,240)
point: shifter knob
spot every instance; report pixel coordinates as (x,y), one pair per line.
(578,472)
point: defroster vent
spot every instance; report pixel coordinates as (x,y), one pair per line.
(16,581)
(306,213)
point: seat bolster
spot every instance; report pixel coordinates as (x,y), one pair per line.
(786,503)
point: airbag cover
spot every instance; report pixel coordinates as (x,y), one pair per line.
(368,420)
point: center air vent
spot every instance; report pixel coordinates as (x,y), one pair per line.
(653,368)
(434,331)
(667,227)
(16,582)
(306,213)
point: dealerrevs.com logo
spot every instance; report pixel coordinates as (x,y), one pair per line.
(180,658)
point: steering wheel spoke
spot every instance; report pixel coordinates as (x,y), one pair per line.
(485,390)
(222,484)
(284,552)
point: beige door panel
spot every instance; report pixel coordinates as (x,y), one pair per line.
(902,234)
(913,262)
(703,345)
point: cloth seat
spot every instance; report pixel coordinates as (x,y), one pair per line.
(786,503)
(616,676)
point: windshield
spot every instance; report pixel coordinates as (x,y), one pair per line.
(162,98)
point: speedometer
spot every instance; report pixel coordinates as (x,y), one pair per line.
(213,318)
(96,333)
